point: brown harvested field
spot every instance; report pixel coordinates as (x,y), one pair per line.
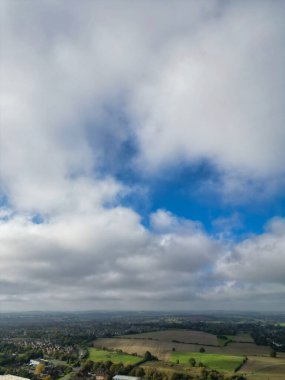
(160,344)
(264,368)
(181,336)
(140,346)
(161,349)
(260,366)
(246,349)
(243,338)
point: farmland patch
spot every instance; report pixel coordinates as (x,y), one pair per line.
(178,336)
(96,354)
(262,368)
(213,361)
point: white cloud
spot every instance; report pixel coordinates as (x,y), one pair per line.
(106,258)
(98,254)
(218,94)
(258,259)
(252,271)
(200,82)
(164,221)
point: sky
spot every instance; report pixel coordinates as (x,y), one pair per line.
(142,155)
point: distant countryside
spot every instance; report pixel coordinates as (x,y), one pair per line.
(147,346)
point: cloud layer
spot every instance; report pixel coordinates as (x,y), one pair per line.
(218,93)
(107,259)
(201,82)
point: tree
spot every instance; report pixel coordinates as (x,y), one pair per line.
(138,372)
(202,349)
(273,353)
(88,366)
(175,376)
(147,356)
(204,373)
(39,368)
(192,362)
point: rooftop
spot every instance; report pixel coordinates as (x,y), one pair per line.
(122,377)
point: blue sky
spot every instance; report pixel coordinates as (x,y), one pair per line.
(142,155)
(182,191)
(182,188)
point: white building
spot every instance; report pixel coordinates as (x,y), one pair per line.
(123,377)
(34,363)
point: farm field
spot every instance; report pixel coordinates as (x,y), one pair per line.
(213,361)
(162,343)
(168,347)
(243,338)
(264,368)
(224,341)
(180,336)
(169,368)
(161,349)
(103,355)
(249,349)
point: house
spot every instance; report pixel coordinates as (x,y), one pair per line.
(34,362)
(100,375)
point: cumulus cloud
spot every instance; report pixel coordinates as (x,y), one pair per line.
(107,253)
(259,259)
(204,81)
(108,259)
(218,94)
(165,221)
(252,271)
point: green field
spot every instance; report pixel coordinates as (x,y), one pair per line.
(223,342)
(215,361)
(96,355)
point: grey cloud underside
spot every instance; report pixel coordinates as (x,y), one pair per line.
(259,259)
(56,263)
(198,81)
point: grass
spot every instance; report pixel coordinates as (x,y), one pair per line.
(66,377)
(170,368)
(223,342)
(215,361)
(96,355)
